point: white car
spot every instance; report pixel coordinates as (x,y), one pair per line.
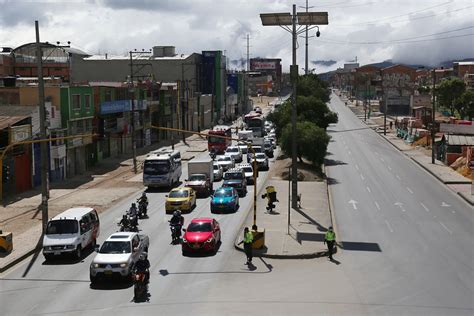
(117,255)
(234,152)
(243,148)
(248,171)
(226,162)
(218,172)
(272,141)
(262,161)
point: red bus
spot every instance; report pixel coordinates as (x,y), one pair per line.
(218,144)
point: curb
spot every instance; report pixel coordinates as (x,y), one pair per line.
(312,255)
(17,260)
(333,218)
(465,198)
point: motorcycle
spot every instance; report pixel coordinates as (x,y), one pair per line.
(213,154)
(175,233)
(140,287)
(142,209)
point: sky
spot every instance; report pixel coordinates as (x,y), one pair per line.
(424,32)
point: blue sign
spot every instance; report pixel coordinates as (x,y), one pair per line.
(119,106)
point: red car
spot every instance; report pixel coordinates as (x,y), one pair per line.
(202,234)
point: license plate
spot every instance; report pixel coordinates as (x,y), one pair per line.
(57,253)
(221,206)
(108,272)
(195,246)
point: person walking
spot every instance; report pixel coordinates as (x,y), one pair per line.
(247,241)
(329,240)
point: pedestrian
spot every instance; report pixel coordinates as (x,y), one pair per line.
(329,240)
(391,124)
(247,241)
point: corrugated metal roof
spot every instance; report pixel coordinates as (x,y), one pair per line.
(6,121)
(460,140)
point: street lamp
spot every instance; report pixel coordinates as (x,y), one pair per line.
(284,20)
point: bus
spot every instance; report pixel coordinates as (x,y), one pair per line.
(250,115)
(219,144)
(257,126)
(162,168)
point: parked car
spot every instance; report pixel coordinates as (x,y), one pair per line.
(70,232)
(218,172)
(248,171)
(225,199)
(118,255)
(235,178)
(268,147)
(262,161)
(226,162)
(182,198)
(234,152)
(202,234)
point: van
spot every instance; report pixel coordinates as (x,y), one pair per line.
(70,232)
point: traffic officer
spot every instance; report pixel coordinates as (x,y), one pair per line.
(330,239)
(248,240)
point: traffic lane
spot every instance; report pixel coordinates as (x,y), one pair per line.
(159,248)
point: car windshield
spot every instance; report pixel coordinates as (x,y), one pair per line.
(216,167)
(179,194)
(156,167)
(199,227)
(260,155)
(233,175)
(115,247)
(248,169)
(225,159)
(233,150)
(197,177)
(223,193)
(63,226)
(213,139)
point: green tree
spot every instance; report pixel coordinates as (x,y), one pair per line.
(312,142)
(466,104)
(311,85)
(449,91)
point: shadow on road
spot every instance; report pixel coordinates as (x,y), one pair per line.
(332,162)
(359,246)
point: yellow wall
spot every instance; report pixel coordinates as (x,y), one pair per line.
(29,95)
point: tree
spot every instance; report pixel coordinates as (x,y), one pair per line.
(311,85)
(312,142)
(466,104)
(449,91)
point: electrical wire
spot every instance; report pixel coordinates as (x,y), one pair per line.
(395,42)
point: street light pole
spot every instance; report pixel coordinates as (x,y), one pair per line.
(294,146)
(43,145)
(433,119)
(132,91)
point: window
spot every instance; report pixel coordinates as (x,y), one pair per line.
(76,101)
(87,103)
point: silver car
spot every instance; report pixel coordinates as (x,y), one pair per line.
(262,161)
(226,162)
(234,152)
(218,172)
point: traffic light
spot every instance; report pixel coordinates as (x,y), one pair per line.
(6,173)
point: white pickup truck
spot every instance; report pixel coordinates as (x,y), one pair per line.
(117,255)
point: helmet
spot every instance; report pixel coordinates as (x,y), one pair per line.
(124,216)
(143,256)
(176,213)
(143,194)
(134,205)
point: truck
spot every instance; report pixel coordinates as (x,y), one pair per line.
(200,176)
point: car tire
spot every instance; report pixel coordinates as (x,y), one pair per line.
(93,279)
(48,257)
(78,253)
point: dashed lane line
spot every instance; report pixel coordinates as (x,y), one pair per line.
(409,190)
(368,189)
(447,229)
(398,177)
(377,205)
(389,226)
(389,168)
(362,176)
(424,206)
(357,167)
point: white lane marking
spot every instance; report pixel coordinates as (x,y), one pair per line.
(424,206)
(357,167)
(362,176)
(453,211)
(376,152)
(389,227)
(389,168)
(400,205)
(377,205)
(353,204)
(444,204)
(381,159)
(349,152)
(447,229)
(368,189)
(398,177)
(409,190)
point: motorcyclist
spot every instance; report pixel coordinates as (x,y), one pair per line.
(132,212)
(176,222)
(271,196)
(213,153)
(143,200)
(143,265)
(124,222)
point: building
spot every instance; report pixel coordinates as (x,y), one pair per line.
(398,85)
(271,69)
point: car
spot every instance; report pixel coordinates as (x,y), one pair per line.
(218,172)
(262,161)
(248,171)
(225,199)
(202,234)
(226,162)
(235,178)
(256,149)
(268,147)
(272,140)
(118,255)
(243,148)
(182,198)
(258,109)
(200,182)
(234,152)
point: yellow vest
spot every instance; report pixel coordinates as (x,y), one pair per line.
(330,236)
(248,238)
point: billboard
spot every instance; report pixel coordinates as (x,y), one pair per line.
(263,65)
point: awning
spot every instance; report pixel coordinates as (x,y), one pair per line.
(6,121)
(460,140)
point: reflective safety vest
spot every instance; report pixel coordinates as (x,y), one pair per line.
(248,238)
(270,189)
(330,236)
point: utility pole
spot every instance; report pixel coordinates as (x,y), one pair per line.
(306,46)
(43,145)
(294,138)
(433,117)
(132,124)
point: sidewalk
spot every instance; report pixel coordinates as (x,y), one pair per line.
(111,181)
(308,224)
(456,182)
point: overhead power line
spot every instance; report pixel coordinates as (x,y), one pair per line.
(395,42)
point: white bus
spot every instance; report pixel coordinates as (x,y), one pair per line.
(162,168)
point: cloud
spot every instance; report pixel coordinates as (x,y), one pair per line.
(21,13)
(145,5)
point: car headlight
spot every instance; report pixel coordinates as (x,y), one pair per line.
(94,265)
(124,265)
(70,247)
(185,240)
(209,240)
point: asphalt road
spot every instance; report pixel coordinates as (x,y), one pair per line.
(408,240)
